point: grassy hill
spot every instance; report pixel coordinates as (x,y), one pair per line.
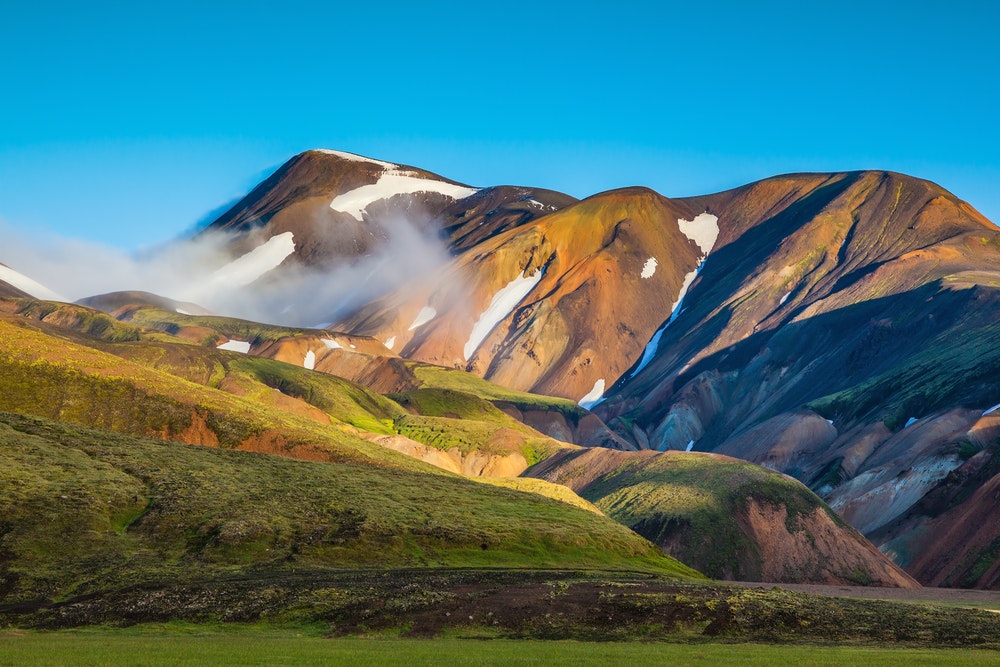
(88,511)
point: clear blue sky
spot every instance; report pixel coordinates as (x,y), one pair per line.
(128,122)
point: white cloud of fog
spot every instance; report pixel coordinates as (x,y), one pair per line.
(188,270)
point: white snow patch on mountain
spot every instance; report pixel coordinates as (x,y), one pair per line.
(181,311)
(392,183)
(255,263)
(675,310)
(501,305)
(332,344)
(235,346)
(594,396)
(27,285)
(426,314)
(310,360)
(353,157)
(703,230)
(649,268)
(390,342)
(910,422)
(690,446)
(991,410)
(784,298)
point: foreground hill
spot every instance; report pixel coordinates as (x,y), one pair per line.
(89,511)
(730,519)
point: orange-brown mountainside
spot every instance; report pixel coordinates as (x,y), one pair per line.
(831,311)
(301,197)
(593,293)
(843,331)
(730,519)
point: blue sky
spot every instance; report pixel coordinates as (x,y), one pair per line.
(127,123)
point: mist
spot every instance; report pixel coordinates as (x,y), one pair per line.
(401,250)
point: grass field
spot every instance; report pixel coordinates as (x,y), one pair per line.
(190,646)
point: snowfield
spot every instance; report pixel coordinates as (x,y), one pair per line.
(255,263)
(502,304)
(649,268)
(703,230)
(675,310)
(426,314)
(27,285)
(310,361)
(332,344)
(389,184)
(594,396)
(240,346)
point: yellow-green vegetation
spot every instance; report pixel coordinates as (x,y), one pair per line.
(45,376)
(691,501)
(230,327)
(438,377)
(446,418)
(542,488)
(250,647)
(86,510)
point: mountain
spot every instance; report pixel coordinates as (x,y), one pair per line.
(800,322)
(837,328)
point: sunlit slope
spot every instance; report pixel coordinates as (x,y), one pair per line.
(86,511)
(561,305)
(729,518)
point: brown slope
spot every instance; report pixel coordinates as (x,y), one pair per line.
(734,520)
(865,297)
(587,318)
(297,197)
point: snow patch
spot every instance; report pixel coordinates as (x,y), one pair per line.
(27,285)
(594,396)
(784,299)
(426,314)
(991,410)
(390,342)
(257,262)
(310,360)
(502,304)
(910,422)
(181,311)
(703,230)
(389,184)
(690,446)
(830,422)
(331,344)
(649,268)
(675,311)
(240,346)
(353,157)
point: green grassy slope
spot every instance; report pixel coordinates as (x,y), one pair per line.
(87,510)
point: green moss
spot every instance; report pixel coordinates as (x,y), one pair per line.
(86,510)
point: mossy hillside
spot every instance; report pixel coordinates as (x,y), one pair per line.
(469,436)
(255,333)
(70,317)
(691,501)
(86,510)
(255,378)
(48,377)
(438,377)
